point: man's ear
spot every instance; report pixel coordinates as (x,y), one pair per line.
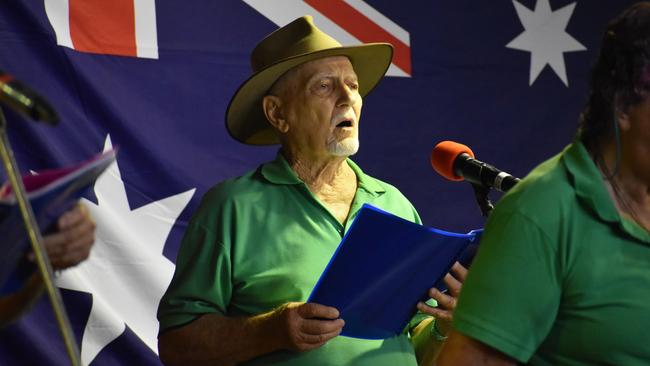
(274,112)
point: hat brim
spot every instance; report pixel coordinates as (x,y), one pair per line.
(245,119)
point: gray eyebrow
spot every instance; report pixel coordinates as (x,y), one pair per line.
(326,75)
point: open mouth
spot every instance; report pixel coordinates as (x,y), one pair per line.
(344,124)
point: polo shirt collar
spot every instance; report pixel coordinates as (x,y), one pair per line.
(591,190)
(278,171)
(365,182)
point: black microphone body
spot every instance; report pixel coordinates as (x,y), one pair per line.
(24,100)
(478,172)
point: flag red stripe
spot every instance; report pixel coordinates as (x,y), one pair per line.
(360,26)
(103,26)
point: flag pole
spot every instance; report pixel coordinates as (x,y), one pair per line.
(36,240)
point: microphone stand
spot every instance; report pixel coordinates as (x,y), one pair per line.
(481,194)
(36,240)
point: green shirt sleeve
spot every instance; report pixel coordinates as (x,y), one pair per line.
(202,281)
(512,293)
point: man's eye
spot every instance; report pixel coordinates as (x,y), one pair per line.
(354,86)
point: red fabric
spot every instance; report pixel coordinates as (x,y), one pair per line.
(102,26)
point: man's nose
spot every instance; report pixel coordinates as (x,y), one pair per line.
(347,96)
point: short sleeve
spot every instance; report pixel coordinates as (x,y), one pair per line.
(512,292)
(202,279)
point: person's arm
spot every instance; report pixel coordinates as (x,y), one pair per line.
(12,306)
(426,345)
(460,350)
(67,247)
(427,340)
(213,339)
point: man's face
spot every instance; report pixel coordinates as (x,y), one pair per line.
(322,107)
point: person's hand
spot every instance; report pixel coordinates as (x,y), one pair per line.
(71,243)
(444,312)
(308,325)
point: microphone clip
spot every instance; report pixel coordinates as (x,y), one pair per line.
(481,193)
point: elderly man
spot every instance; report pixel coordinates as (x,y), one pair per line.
(69,245)
(258,243)
(563,273)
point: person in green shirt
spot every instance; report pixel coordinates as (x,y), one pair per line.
(258,243)
(563,273)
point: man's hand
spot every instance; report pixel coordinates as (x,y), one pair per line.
(444,313)
(214,339)
(308,325)
(68,246)
(71,243)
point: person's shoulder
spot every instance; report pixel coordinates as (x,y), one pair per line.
(546,190)
(230,191)
(234,187)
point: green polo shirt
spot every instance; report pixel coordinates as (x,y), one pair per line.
(263,239)
(560,277)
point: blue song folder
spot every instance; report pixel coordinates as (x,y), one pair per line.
(51,193)
(383,266)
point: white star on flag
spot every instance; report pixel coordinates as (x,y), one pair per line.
(545,38)
(126,272)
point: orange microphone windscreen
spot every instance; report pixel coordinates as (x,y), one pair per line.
(444,155)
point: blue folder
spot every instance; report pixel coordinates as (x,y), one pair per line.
(383,266)
(51,193)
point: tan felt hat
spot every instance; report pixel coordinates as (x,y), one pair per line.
(295,43)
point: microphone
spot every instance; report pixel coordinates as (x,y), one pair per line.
(24,100)
(456,162)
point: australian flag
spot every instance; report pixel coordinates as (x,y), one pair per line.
(506,77)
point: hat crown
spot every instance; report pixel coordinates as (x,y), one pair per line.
(297,38)
(292,45)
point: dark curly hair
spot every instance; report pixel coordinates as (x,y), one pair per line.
(621,76)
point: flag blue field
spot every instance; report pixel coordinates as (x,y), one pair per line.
(507,78)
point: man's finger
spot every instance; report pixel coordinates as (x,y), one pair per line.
(73,216)
(68,234)
(58,244)
(313,310)
(76,252)
(459,271)
(426,308)
(68,260)
(316,340)
(444,301)
(435,312)
(453,285)
(316,327)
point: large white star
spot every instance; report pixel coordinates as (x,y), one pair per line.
(545,38)
(126,272)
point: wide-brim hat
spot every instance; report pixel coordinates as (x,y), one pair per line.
(294,44)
